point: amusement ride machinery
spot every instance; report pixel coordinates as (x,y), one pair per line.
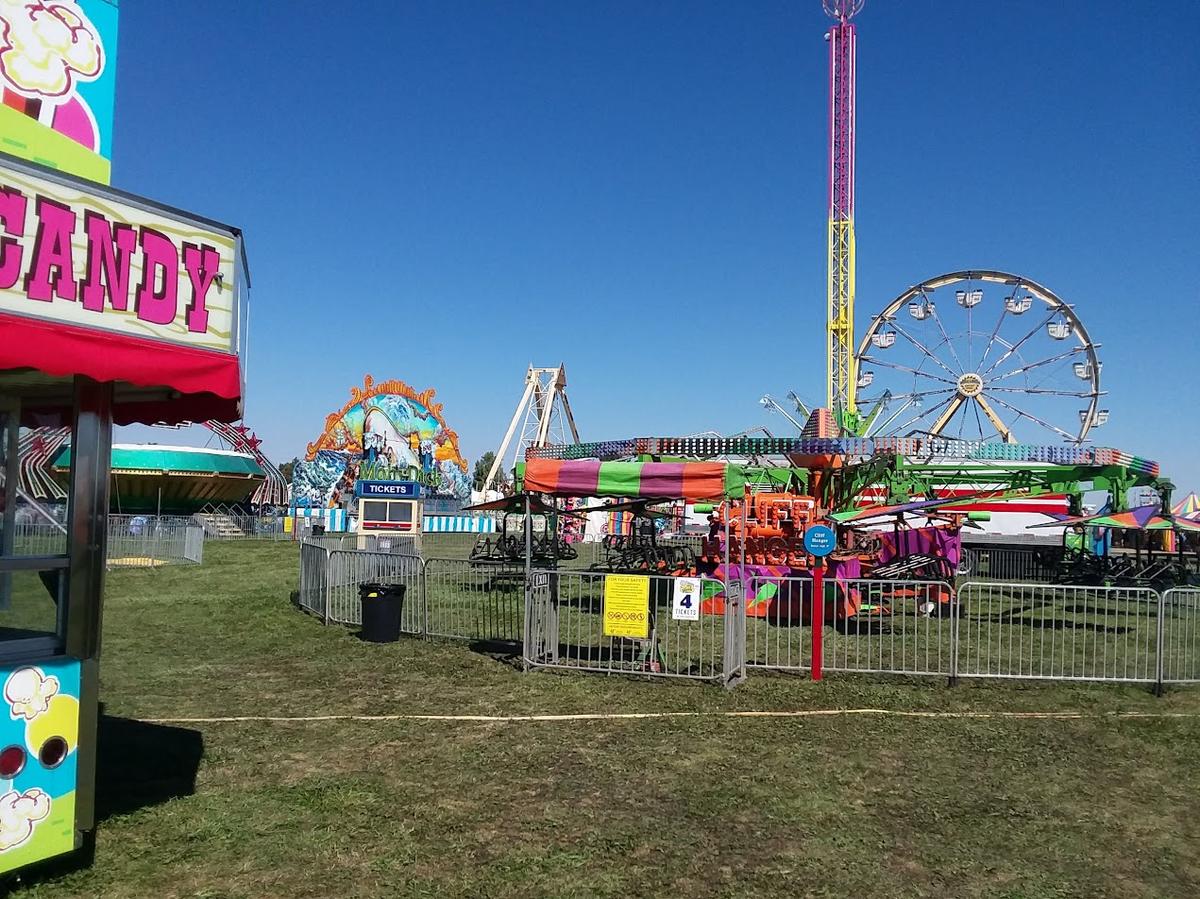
(932,402)
(971,357)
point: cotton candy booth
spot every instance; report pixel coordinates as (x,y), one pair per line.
(114,309)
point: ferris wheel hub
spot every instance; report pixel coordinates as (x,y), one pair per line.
(970,385)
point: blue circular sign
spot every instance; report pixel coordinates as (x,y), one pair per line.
(820,540)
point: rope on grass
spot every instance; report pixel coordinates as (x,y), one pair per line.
(625,716)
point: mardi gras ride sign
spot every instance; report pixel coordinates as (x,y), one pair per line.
(387,433)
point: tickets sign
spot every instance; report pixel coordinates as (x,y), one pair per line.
(98,259)
(685,602)
(627,606)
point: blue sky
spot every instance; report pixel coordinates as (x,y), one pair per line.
(444,192)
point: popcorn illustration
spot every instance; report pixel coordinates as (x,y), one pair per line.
(46,47)
(28,692)
(18,813)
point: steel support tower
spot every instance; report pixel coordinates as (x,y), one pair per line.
(842,374)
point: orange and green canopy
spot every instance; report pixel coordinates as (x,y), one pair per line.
(690,481)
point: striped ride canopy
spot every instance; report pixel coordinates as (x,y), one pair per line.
(691,481)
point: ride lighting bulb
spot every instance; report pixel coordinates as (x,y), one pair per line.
(12,760)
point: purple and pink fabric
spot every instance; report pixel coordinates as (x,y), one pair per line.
(938,542)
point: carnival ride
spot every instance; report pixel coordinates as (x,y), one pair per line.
(387,431)
(641,550)
(976,354)
(816,480)
(545,416)
(925,432)
(235,475)
(973,356)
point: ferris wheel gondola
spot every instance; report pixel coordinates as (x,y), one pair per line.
(1006,357)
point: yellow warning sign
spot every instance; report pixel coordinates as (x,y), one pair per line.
(627,606)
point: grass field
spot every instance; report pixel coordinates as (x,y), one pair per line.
(1103,804)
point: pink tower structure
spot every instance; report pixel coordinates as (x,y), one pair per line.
(841,371)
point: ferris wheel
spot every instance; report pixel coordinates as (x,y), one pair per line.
(979,355)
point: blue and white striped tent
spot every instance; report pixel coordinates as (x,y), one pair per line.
(459,524)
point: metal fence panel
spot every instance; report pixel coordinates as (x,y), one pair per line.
(134,541)
(565,629)
(1009,563)
(314,579)
(350,569)
(39,538)
(465,601)
(1179,655)
(1057,632)
(882,626)
(401,544)
(889,626)
(232,525)
(144,541)
(193,547)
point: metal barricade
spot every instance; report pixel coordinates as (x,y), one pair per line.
(633,624)
(1052,632)
(879,626)
(889,626)
(1179,640)
(400,544)
(349,569)
(1008,563)
(778,623)
(314,580)
(193,550)
(39,538)
(465,601)
(133,541)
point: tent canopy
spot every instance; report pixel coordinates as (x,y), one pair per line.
(1143,518)
(517,504)
(917,506)
(1188,507)
(690,481)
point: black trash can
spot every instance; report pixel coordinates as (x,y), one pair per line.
(382,605)
(318,530)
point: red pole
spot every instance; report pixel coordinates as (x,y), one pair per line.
(817,618)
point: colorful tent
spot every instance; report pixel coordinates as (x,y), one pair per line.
(691,481)
(1188,507)
(857,515)
(1143,518)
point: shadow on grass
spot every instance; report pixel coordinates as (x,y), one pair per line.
(1026,616)
(138,765)
(506,652)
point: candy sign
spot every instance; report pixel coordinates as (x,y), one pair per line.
(100,260)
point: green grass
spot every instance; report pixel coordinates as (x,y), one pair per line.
(706,806)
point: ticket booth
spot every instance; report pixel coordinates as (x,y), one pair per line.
(389,509)
(113,310)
